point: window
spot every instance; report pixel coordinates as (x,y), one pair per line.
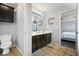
(37,22)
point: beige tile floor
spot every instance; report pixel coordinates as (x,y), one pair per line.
(13,52)
(55,50)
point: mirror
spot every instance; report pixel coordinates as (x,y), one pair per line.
(37,22)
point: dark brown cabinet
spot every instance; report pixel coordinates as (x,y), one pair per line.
(39,41)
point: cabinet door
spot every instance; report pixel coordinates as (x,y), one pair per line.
(44,40)
(39,45)
(34,43)
(48,38)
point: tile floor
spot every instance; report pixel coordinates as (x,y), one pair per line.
(13,52)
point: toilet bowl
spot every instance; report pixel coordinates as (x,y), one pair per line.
(5,43)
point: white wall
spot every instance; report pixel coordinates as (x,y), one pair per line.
(69,26)
(24,28)
(56,27)
(27,29)
(8,28)
(20,27)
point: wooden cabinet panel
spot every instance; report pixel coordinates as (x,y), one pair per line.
(48,38)
(34,48)
(39,41)
(39,45)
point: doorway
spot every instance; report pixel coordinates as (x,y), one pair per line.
(68,28)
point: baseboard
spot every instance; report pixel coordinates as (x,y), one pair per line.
(20,51)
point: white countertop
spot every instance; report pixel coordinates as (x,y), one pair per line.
(40,33)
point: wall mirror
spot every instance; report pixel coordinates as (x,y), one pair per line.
(37,22)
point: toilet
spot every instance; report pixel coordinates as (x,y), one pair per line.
(5,43)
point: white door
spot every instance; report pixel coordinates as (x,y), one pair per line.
(77,29)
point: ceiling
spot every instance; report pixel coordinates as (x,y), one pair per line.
(11,4)
(46,7)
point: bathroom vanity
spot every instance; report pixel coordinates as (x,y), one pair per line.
(39,40)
